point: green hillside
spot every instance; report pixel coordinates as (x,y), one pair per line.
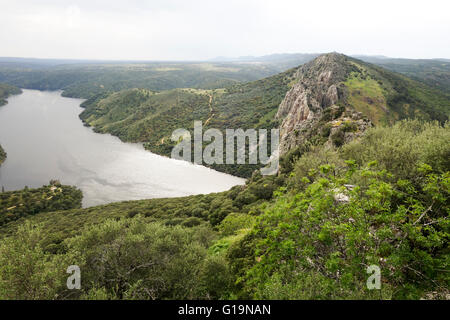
(139,115)
(309,232)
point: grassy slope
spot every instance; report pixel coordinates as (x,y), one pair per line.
(87,80)
(386,96)
(141,115)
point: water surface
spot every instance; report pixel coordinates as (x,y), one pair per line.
(45,139)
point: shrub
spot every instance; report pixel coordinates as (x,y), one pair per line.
(338,138)
(235,222)
(313,237)
(401,148)
(132,259)
(26,271)
(312,160)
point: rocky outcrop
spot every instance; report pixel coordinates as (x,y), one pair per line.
(318,87)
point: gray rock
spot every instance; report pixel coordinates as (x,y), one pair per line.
(318,87)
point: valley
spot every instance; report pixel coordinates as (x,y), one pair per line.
(138,115)
(363,180)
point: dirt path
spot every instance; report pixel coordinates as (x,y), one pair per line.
(210,109)
(207,120)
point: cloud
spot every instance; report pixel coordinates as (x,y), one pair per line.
(202,29)
(73,15)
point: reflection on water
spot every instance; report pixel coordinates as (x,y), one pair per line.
(45,139)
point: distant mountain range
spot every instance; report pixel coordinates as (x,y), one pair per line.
(84,78)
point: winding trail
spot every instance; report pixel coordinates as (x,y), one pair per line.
(210,109)
(207,120)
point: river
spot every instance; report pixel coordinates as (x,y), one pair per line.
(45,139)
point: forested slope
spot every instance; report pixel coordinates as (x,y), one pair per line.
(23,203)
(85,80)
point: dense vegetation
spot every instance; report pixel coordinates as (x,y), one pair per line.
(5,91)
(84,79)
(309,232)
(23,203)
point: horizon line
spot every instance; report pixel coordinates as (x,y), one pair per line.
(242,58)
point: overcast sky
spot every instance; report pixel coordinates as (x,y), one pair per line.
(204,29)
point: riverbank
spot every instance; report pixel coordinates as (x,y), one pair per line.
(56,145)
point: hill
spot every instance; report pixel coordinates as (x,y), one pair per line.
(382,96)
(2,155)
(139,115)
(433,72)
(27,202)
(334,93)
(84,80)
(338,210)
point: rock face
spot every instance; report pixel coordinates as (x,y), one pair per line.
(318,88)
